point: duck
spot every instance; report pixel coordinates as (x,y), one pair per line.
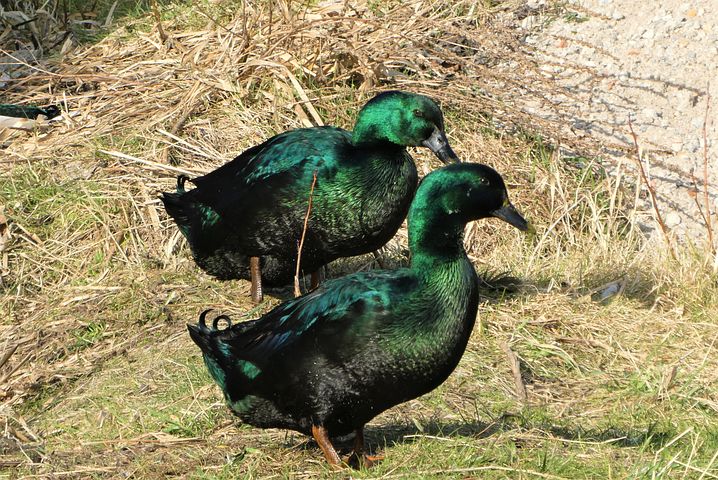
(245,219)
(24,117)
(327,362)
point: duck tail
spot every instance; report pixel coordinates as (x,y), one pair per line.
(221,359)
(205,336)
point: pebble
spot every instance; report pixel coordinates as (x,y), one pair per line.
(683,100)
(649,114)
(673,219)
(529,22)
(535,4)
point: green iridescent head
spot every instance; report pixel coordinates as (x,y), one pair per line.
(405,119)
(450,197)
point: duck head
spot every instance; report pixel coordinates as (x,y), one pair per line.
(404,119)
(449,198)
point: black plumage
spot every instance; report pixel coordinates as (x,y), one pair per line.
(255,205)
(328,362)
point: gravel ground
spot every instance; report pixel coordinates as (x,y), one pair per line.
(652,60)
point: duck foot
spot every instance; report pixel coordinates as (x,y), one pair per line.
(256,274)
(330,453)
(358,458)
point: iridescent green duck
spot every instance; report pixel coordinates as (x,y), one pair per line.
(23,117)
(328,362)
(251,211)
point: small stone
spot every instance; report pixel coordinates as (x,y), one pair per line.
(649,114)
(677,147)
(648,34)
(529,22)
(673,219)
(692,12)
(535,4)
(683,100)
(616,15)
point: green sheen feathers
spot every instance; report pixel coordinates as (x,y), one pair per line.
(397,118)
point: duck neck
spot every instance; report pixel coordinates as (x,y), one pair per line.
(435,242)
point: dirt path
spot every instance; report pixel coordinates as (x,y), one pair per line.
(652,60)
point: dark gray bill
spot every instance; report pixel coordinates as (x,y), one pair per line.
(439,144)
(510,215)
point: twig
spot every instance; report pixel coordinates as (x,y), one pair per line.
(6,356)
(155,165)
(709,223)
(297,291)
(15,368)
(694,195)
(108,18)
(516,370)
(158,19)
(183,117)
(651,191)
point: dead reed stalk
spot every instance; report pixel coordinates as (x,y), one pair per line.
(706,202)
(297,291)
(651,192)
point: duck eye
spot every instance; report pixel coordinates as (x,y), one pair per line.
(418,113)
(484,181)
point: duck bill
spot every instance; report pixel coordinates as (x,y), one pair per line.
(439,144)
(510,215)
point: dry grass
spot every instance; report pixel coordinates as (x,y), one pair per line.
(615,341)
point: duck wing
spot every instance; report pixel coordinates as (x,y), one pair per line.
(281,168)
(328,321)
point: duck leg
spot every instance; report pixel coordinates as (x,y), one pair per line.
(379,259)
(316,279)
(256,274)
(322,437)
(358,454)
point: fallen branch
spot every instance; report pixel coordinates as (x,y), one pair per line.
(651,191)
(297,291)
(516,370)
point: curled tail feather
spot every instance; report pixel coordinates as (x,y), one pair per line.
(202,333)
